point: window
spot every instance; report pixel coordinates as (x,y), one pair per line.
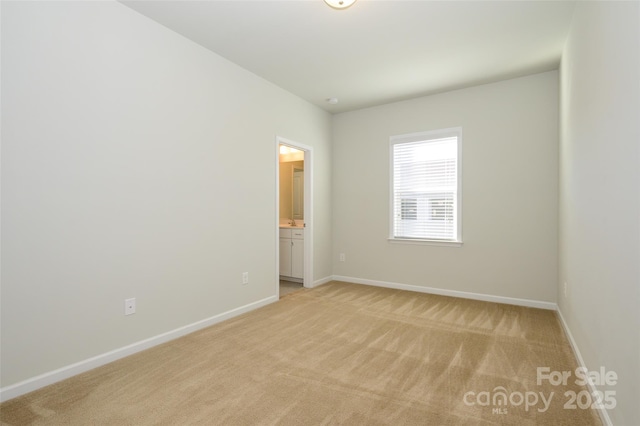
(409,208)
(425,187)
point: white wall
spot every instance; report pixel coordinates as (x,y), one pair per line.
(599,194)
(135,163)
(510,152)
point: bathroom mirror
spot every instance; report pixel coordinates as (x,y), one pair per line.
(297,193)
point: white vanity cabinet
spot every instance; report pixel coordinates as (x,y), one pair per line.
(292,253)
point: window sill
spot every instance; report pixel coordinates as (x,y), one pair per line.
(416,241)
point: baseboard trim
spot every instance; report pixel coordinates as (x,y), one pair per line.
(604,414)
(321,281)
(37,382)
(453,293)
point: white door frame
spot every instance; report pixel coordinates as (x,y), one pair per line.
(308,211)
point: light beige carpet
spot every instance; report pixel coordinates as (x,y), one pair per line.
(338,354)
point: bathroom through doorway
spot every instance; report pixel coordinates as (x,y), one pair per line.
(294,268)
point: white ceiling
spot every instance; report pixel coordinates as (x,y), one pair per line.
(376,51)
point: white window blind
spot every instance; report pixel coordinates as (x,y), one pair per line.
(425,186)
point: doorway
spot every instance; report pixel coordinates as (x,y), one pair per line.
(294,215)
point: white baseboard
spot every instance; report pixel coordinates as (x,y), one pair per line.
(454,293)
(321,281)
(604,414)
(54,376)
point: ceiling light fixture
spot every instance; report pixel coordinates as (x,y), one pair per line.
(339,4)
(332,101)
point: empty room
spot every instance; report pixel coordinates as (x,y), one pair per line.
(358,212)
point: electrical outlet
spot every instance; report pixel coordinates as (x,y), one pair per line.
(343,258)
(245,278)
(130,306)
(565,289)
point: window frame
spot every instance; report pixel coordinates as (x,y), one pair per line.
(427,136)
